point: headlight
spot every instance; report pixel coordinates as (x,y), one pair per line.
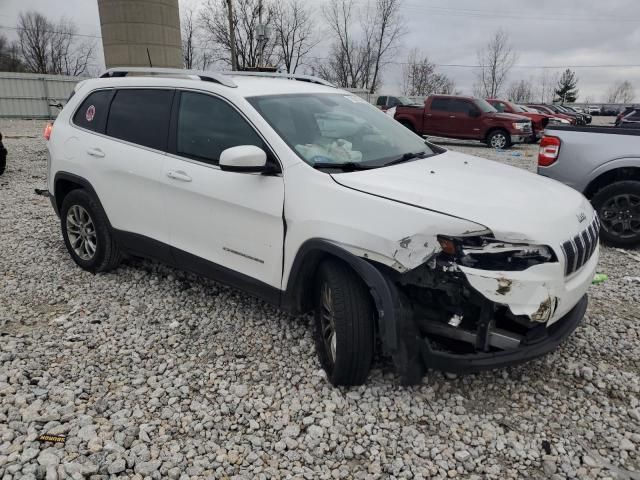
(487,253)
(519,126)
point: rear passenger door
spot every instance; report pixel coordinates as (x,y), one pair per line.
(124,163)
(223,223)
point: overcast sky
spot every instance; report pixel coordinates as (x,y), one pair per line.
(551,33)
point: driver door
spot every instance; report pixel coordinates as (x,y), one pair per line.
(224,224)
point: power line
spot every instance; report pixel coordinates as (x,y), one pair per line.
(55,31)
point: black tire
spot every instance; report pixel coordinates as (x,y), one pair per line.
(499,139)
(353,324)
(618,206)
(3,157)
(106,255)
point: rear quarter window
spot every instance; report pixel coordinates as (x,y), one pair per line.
(141,116)
(92,113)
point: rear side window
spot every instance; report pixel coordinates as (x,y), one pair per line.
(141,116)
(92,114)
(207,126)
(440,104)
(382,101)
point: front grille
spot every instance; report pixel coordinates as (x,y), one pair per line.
(527,128)
(579,249)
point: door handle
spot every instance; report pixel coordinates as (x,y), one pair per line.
(452,116)
(178,175)
(95,152)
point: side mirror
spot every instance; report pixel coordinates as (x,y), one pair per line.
(244,158)
(474,113)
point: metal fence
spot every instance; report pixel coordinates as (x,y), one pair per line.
(28,95)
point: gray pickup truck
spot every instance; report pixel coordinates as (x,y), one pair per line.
(604,164)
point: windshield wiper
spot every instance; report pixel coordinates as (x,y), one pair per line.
(345,166)
(406,157)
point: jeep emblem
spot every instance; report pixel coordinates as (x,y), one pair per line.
(581,217)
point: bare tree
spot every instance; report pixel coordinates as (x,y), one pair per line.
(295,33)
(48,47)
(520,92)
(388,28)
(10,56)
(420,77)
(621,92)
(188,30)
(546,87)
(496,60)
(246,13)
(34,35)
(360,49)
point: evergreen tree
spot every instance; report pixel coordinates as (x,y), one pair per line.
(567,91)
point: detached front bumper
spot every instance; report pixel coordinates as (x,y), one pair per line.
(542,341)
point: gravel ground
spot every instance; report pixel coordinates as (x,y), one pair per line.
(153,373)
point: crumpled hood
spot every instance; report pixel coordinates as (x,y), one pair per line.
(515,204)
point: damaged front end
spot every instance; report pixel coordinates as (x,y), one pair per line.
(481,303)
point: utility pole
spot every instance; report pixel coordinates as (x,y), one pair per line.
(261,34)
(232,36)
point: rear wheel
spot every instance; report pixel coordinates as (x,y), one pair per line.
(499,139)
(618,206)
(344,321)
(3,157)
(86,233)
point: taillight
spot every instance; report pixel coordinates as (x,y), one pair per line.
(48,128)
(549,150)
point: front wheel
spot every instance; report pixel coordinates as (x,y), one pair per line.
(618,206)
(499,139)
(344,321)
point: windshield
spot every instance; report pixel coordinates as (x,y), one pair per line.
(338,129)
(485,106)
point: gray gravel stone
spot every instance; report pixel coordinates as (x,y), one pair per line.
(151,370)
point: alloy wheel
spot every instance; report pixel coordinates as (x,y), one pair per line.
(498,140)
(620,215)
(328,323)
(81,232)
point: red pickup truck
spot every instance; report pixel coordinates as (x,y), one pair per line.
(466,118)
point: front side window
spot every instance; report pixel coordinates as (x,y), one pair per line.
(326,129)
(461,106)
(92,114)
(141,116)
(207,126)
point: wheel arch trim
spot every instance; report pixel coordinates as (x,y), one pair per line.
(307,259)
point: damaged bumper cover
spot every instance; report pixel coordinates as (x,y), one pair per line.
(546,341)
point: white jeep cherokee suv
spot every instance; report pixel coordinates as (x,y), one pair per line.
(314,200)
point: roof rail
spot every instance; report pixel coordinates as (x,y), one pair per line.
(290,76)
(204,76)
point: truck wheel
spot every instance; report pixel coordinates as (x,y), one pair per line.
(499,139)
(86,234)
(344,321)
(618,206)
